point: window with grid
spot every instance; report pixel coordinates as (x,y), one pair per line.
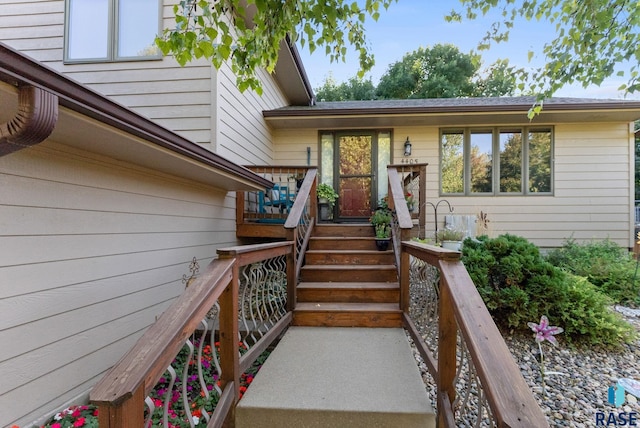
(496,161)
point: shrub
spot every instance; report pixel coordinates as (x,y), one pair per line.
(518,285)
(605,264)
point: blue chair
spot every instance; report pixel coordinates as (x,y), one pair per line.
(277,197)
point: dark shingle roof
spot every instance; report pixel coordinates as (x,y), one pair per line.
(461,104)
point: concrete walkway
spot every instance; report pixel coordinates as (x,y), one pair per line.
(338,377)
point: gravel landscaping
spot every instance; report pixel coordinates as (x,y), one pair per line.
(579,392)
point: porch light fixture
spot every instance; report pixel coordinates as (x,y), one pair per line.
(407,147)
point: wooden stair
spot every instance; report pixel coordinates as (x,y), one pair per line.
(346,281)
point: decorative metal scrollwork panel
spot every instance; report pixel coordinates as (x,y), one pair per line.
(424,291)
(471,405)
(263,298)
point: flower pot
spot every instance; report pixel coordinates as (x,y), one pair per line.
(382,244)
(452,245)
(326,212)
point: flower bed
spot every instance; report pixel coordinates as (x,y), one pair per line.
(201,397)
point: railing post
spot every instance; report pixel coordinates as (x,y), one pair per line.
(422,197)
(292,278)
(128,413)
(405,259)
(229,352)
(447,342)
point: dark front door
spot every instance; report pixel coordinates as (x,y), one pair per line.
(355,175)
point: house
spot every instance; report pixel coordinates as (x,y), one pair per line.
(132,177)
(568,173)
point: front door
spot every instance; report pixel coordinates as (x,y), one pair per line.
(355,175)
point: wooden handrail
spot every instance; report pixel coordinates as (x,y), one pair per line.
(396,199)
(300,221)
(307,189)
(120,394)
(151,355)
(461,308)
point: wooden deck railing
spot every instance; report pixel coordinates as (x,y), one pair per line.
(412,179)
(476,376)
(234,284)
(477,380)
(302,218)
(262,214)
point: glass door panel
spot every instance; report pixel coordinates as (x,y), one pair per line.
(355,175)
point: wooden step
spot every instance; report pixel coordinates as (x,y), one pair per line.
(342,243)
(349,257)
(349,292)
(347,314)
(343,230)
(348,273)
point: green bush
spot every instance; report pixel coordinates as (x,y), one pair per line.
(605,264)
(518,285)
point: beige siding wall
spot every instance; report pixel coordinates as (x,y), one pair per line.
(243,135)
(593,197)
(291,146)
(92,250)
(198,102)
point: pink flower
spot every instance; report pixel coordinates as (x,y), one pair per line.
(56,425)
(544,331)
(79,422)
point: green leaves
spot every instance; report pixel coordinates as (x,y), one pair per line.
(593,38)
(220,31)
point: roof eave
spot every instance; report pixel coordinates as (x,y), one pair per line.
(451,115)
(17,69)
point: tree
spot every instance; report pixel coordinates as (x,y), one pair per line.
(352,89)
(594,39)
(444,72)
(218,30)
(499,80)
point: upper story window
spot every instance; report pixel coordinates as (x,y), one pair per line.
(496,161)
(111,30)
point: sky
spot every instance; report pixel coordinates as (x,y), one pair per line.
(410,24)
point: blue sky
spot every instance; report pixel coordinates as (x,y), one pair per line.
(409,24)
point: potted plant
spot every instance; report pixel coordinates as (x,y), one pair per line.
(450,238)
(299,178)
(411,202)
(381,222)
(326,199)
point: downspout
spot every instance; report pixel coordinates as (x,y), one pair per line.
(36,118)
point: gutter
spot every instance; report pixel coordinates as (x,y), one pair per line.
(439,109)
(19,70)
(35,120)
(295,54)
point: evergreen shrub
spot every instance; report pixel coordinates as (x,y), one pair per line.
(518,285)
(605,264)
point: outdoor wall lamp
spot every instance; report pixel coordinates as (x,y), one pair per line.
(407,147)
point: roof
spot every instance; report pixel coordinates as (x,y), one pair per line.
(93,122)
(450,112)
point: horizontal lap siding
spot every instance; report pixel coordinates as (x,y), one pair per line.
(592,191)
(243,135)
(92,250)
(592,185)
(291,148)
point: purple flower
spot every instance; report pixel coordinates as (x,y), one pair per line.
(544,331)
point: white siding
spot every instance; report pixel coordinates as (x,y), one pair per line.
(593,185)
(92,250)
